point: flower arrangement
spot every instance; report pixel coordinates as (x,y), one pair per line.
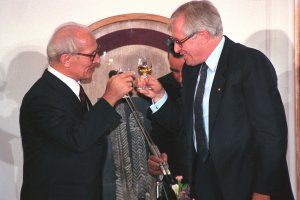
(181,190)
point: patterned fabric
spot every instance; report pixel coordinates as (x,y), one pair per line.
(129,157)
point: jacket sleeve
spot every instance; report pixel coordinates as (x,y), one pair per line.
(267,120)
(52,118)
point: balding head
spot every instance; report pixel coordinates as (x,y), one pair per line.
(68,38)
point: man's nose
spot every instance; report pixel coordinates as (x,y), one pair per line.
(177,47)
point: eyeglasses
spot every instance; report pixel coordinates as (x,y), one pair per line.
(92,55)
(180,42)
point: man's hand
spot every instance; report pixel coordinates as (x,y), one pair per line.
(154,163)
(154,89)
(118,86)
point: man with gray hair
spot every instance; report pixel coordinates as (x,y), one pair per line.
(64,136)
(232,113)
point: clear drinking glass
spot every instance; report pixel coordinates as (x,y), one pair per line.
(144,68)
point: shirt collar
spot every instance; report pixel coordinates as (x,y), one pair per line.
(73,85)
(213,59)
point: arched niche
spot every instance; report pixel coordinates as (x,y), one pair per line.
(123,38)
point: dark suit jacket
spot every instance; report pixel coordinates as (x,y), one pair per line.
(64,148)
(166,141)
(247,124)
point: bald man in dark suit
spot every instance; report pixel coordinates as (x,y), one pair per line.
(64,136)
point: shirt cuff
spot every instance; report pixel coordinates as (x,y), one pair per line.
(157,105)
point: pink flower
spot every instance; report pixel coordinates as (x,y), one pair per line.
(178,178)
(181,190)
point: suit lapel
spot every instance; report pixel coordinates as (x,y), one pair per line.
(189,79)
(89,103)
(62,89)
(218,86)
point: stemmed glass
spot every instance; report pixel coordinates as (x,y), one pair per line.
(144,68)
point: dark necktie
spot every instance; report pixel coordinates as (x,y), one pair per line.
(83,99)
(202,145)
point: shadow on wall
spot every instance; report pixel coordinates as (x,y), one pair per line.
(277,46)
(23,71)
(280,50)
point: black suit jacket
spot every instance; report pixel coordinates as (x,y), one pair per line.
(167,142)
(247,124)
(64,148)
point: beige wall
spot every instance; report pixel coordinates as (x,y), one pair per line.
(26,26)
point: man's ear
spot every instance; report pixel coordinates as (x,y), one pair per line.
(65,60)
(205,36)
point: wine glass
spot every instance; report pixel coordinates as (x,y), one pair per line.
(125,69)
(144,68)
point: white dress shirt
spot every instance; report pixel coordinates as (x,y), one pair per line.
(212,63)
(71,83)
